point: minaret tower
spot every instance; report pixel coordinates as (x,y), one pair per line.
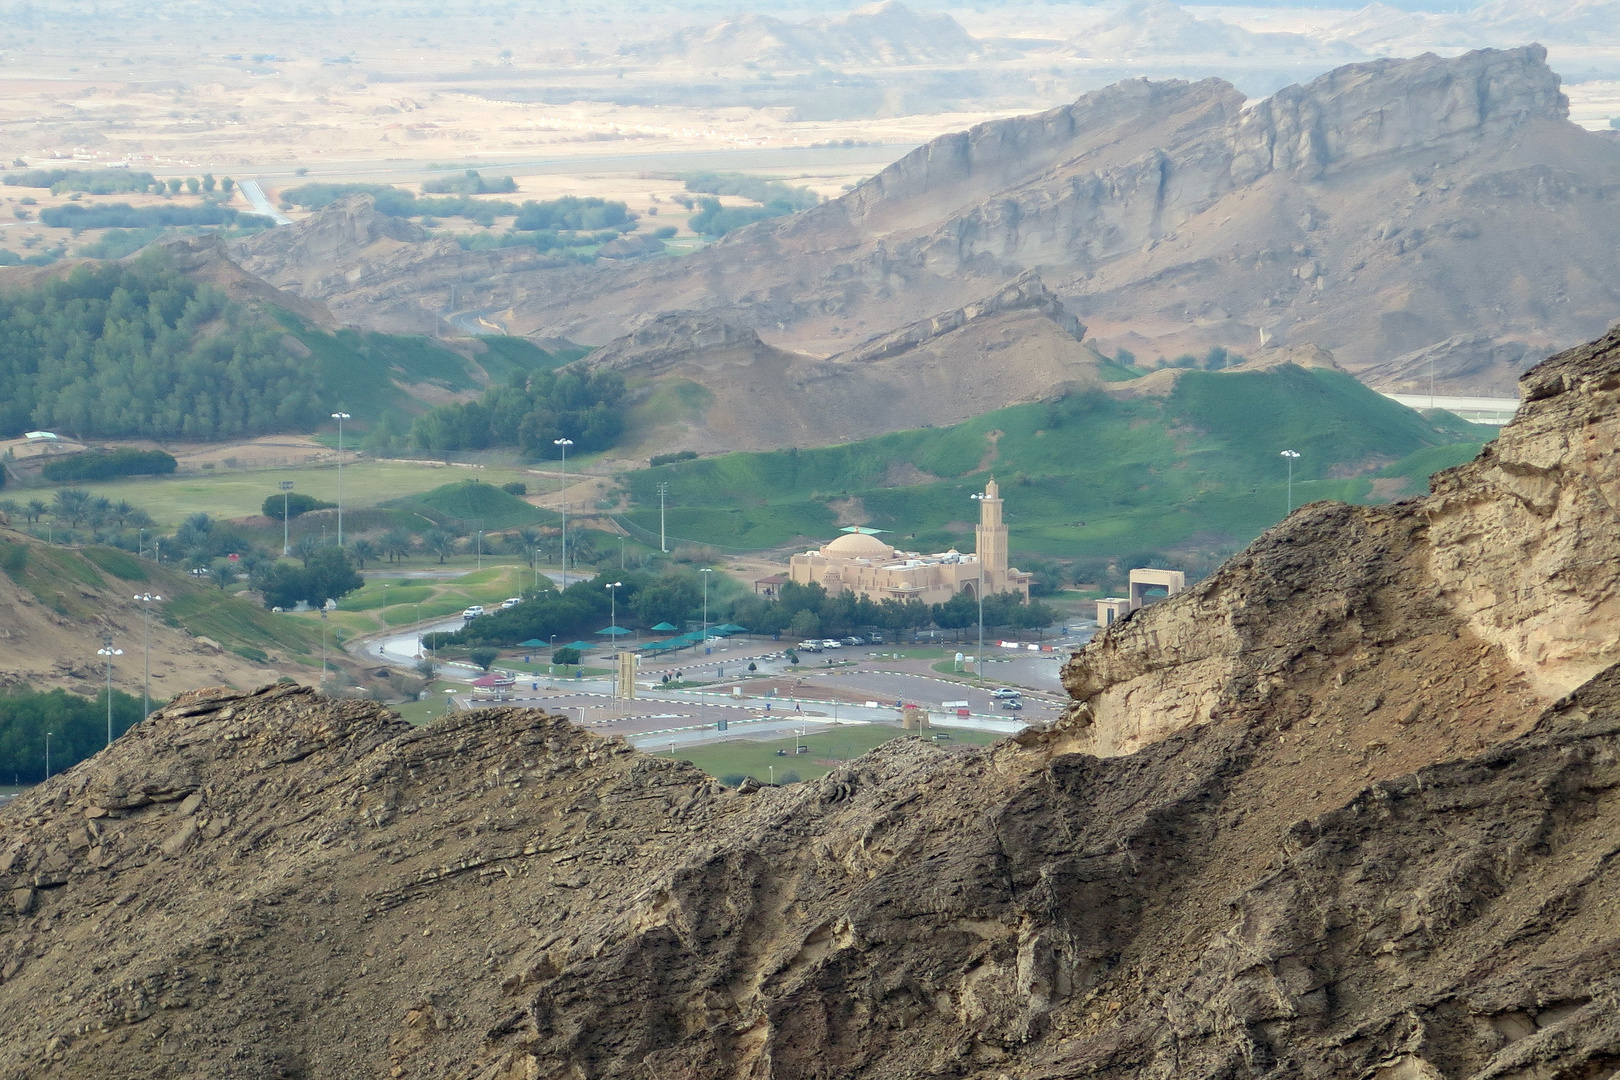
(991,540)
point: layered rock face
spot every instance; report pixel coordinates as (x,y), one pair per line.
(1375,854)
(1380,209)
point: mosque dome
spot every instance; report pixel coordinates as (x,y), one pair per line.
(858,546)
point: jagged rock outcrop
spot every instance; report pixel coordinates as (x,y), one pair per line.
(1027,293)
(1015,346)
(1382,208)
(1471,364)
(1384,854)
(1504,578)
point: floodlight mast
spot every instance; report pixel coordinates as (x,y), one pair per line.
(1290,456)
(564,444)
(340,417)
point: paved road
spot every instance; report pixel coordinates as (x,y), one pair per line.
(1481,410)
(261,205)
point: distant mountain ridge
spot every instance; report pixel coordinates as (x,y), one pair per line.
(881,33)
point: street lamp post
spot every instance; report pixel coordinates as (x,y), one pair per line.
(1290,456)
(48,735)
(613,590)
(323,646)
(340,417)
(109,652)
(564,444)
(287,486)
(663,544)
(978,659)
(705,570)
(146,600)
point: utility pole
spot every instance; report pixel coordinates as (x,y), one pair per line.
(564,444)
(48,735)
(287,486)
(663,545)
(109,652)
(1290,456)
(340,417)
(705,571)
(978,659)
(146,600)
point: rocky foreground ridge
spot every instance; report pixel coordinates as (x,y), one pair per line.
(1362,826)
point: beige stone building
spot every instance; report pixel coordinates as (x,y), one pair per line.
(863,564)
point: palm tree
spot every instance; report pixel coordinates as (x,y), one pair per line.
(305,547)
(71,504)
(121,510)
(361,550)
(440,543)
(396,544)
(34,510)
(222,573)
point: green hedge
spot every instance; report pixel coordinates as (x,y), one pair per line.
(106,464)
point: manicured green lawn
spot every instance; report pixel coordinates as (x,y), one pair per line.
(761,761)
(171,499)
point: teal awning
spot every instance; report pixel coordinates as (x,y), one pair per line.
(664,628)
(532,643)
(580,646)
(614,631)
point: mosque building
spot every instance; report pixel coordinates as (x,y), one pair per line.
(863,564)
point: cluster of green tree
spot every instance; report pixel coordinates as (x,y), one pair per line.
(140,350)
(116,181)
(573,214)
(73,507)
(774,197)
(1213,360)
(808,611)
(125,216)
(77,727)
(469,183)
(670,459)
(106,464)
(532,411)
(397,202)
(760,190)
(578,611)
(326,574)
(117,243)
(293,504)
(42,258)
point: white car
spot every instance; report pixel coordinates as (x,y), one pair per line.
(511,601)
(829,643)
(473,612)
(809,646)
(1005,692)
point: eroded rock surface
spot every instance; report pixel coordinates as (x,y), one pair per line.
(1374,839)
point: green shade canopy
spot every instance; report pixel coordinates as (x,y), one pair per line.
(730,628)
(664,628)
(663,646)
(579,646)
(614,631)
(532,643)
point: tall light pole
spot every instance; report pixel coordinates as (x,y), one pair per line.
(564,444)
(146,600)
(48,735)
(286,486)
(613,589)
(978,557)
(340,417)
(323,646)
(705,571)
(109,652)
(663,544)
(1290,456)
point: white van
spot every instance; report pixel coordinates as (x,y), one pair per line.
(473,612)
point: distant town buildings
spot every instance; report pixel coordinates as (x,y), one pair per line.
(1111,609)
(863,564)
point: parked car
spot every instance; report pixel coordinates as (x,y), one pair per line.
(473,612)
(809,646)
(1005,692)
(876,639)
(831,643)
(853,640)
(511,601)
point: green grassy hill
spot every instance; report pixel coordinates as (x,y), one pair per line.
(1092,474)
(475,505)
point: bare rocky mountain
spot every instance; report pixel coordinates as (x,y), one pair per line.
(738,393)
(1346,809)
(881,33)
(1161,28)
(1381,209)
